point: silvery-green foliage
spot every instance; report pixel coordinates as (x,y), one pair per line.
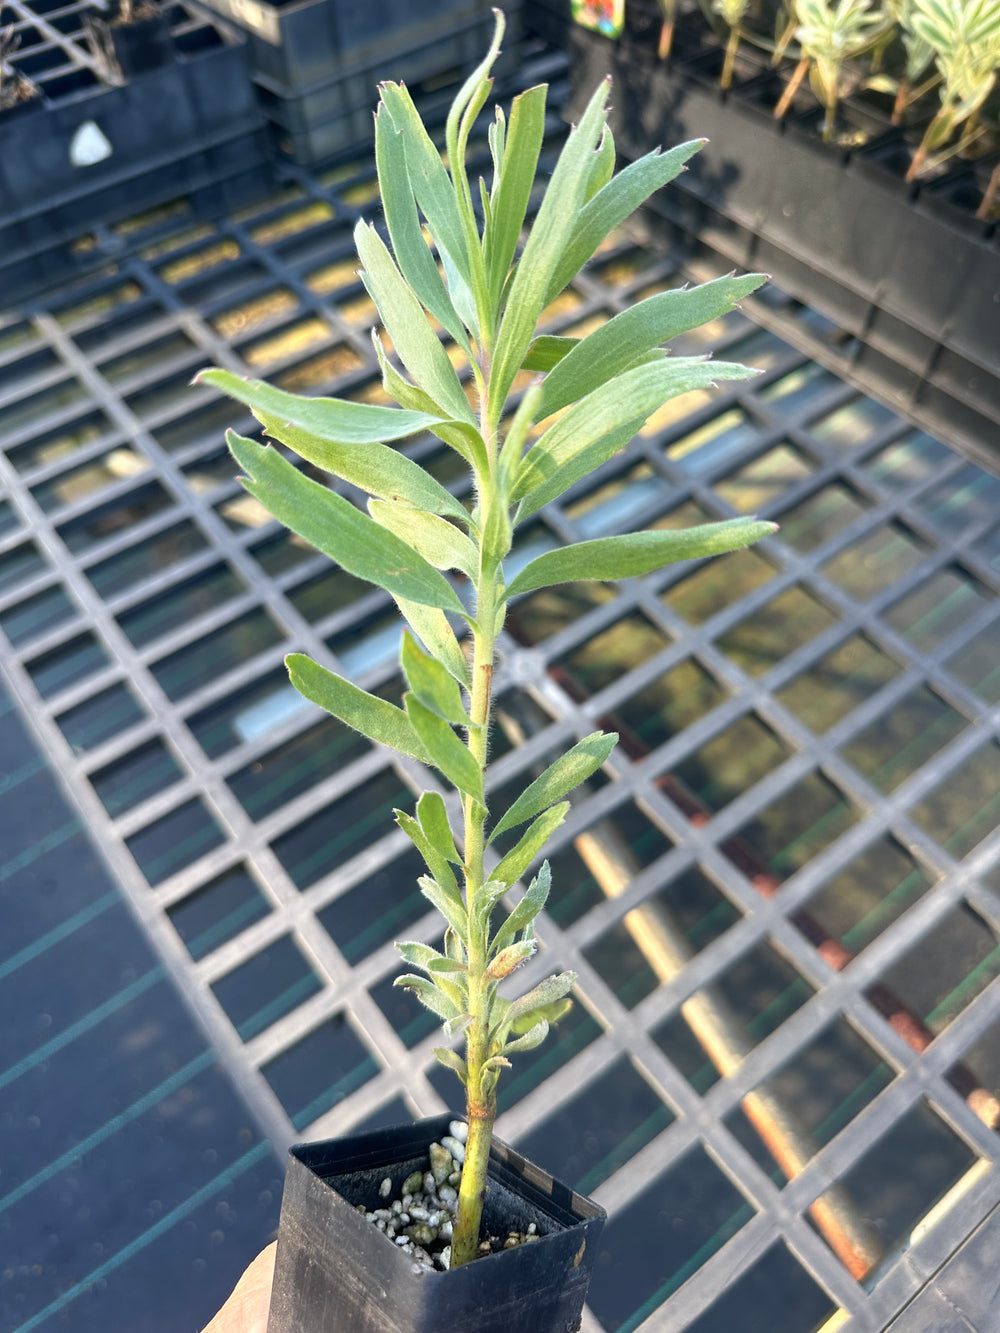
(829,33)
(444,258)
(964,36)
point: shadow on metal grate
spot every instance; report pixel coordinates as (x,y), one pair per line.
(782,895)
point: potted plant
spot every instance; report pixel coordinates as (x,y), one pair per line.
(17,92)
(136,38)
(524,443)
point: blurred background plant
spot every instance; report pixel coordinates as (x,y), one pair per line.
(14,86)
(732,13)
(830,36)
(900,50)
(964,36)
(669,11)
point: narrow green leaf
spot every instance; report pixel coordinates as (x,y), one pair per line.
(572,768)
(451,1060)
(436,863)
(332,524)
(483,907)
(614,346)
(497,138)
(431,184)
(375,468)
(453,912)
(416,263)
(431,683)
(465,108)
(433,816)
(445,749)
(527,909)
(513,448)
(613,204)
(547,351)
(546,244)
(546,992)
(636,553)
(438,541)
(447,967)
(535,1035)
(458,435)
(496,534)
(416,954)
(326,418)
(552,1013)
(489,1073)
(517,860)
(460,292)
(520,159)
(416,343)
(375,718)
(429,995)
(579,465)
(433,630)
(604,165)
(636,393)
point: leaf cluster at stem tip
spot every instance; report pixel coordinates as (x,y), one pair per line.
(461,280)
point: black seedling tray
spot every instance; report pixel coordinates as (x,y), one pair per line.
(334,116)
(190,127)
(904,270)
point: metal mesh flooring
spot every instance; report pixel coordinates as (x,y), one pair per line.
(806,793)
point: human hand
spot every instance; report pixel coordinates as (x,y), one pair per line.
(246,1309)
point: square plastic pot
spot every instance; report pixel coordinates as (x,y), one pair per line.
(335,1269)
(296,46)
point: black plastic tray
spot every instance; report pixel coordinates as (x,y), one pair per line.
(917,282)
(190,127)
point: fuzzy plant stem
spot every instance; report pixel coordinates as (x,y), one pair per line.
(729,64)
(830,121)
(902,98)
(481,1108)
(794,84)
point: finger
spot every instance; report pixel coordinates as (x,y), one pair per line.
(246,1309)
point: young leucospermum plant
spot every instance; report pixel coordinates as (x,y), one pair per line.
(450,265)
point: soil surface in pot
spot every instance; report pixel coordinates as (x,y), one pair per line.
(421,1219)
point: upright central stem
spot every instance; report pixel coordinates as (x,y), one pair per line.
(481,1107)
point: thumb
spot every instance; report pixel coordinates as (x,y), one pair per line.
(246,1309)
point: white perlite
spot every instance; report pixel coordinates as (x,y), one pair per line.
(422,1219)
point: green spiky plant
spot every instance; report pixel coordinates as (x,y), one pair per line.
(732,13)
(910,84)
(829,33)
(964,36)
(588,397)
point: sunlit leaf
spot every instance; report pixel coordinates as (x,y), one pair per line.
(334,526)
(568,771)
(375,718)
(633,554)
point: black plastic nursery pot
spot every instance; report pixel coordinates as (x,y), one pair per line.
(303,43)
(334,1269)
(187,128)
(904,270)
(334,116)
(317,63)
(130,49)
